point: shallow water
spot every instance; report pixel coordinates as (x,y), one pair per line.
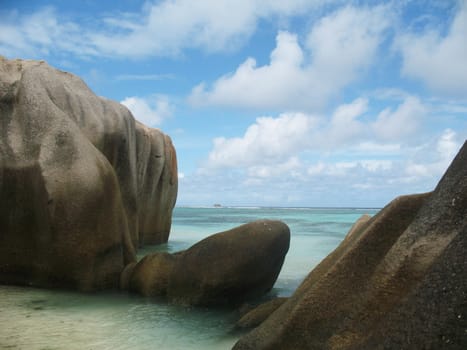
(44,319)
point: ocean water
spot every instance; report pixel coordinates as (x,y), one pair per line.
(43,319)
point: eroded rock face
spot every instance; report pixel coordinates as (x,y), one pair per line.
(81,183)
(397,281)
(225,268)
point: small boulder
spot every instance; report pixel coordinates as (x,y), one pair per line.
(225,268)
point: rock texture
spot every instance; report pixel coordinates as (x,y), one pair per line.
(397,281)
(82,184)
(225,268)
(259,314)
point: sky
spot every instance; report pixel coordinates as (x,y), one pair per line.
(298,103)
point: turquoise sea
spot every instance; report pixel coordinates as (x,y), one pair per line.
(43,319)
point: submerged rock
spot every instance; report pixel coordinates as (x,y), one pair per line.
(82,184)
(225,268)
(397,281)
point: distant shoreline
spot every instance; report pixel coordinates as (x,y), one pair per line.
(269,207)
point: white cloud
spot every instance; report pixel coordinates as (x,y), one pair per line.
(404,121)
(344,126)
(447,145)
(269,140)
(292,167)
(275,141)
(299,77)
(335,179)
(163,28)
(375,165)
(305,156)
(345,42)
(372,147)
(274,85)
(440,155)
(316,169)
(150,111)
(39,33)
(342,168)
(438,60)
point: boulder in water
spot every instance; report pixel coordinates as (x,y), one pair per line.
(225,268)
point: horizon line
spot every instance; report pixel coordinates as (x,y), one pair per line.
(270,206)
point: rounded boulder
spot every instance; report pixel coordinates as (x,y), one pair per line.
(231,266)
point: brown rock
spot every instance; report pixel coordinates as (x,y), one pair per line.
(72,166)
(156,160)
(397,282)
(225,268)
(151,274)
(126,275)
(334,287)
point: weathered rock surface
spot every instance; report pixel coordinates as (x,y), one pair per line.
(225,268)
(397,281)
(82,184)
(259,314)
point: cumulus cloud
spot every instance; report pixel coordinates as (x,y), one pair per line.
(150,111)
(434,163)
(305,177)
(355,147)
(394,125)
(274,140)
(345,42)
(163,28)
(275,85)
(415,169)
(344,125)
(303,76)
(436,59)
(40,33)
(292,167)
(268,140)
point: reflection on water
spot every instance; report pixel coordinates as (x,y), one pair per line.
(44,319)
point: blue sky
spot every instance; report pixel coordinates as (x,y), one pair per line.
(275,103)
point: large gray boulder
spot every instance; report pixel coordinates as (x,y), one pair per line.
(82,184)
(397,281)
(224,268)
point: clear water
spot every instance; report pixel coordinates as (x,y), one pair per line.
(43,319)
